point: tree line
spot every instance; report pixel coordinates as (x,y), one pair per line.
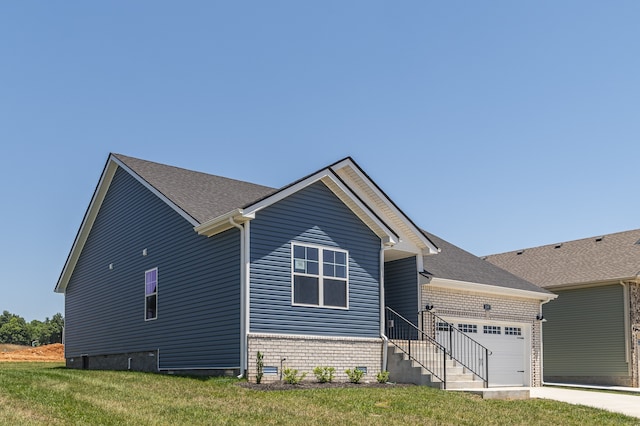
(15,330)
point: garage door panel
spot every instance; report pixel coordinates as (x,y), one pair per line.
(507,362)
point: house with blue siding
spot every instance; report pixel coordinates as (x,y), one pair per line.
(179,271)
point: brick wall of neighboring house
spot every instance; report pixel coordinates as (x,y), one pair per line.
(634,313)
(466,304)
(304,353)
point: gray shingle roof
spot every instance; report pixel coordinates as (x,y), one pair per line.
(202,196)
(456,264)
(603,258)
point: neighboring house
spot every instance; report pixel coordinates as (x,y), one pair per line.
(592,332)
(178,271)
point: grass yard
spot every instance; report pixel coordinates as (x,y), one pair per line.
(46,393)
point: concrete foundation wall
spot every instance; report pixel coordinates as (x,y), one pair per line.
(304,353)
(136,361)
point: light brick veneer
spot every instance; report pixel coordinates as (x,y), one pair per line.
(304,353)
(468,304)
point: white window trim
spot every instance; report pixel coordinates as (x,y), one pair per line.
(320,276)
(146,295)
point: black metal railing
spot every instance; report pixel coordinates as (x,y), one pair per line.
(459,346)
(420,347)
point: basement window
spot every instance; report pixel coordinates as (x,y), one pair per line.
(320,276)
(151,294)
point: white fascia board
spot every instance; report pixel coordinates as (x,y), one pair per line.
(86,225)
(92,212)
(589,284)
(488,289)
(432,249)
(390,237)
(223,222)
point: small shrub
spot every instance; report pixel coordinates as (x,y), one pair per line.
(355,375)
(324,374)
(259,367)
(291,376)
(382,377)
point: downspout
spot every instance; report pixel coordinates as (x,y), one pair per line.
(385,340)
(243,301)
(542,345)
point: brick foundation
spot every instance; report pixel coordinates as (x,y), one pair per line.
(304,353)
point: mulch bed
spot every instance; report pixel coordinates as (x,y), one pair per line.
(315,385)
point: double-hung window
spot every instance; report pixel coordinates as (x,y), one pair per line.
(151,294)
(320,276)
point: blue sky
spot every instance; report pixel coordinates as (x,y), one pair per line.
(496,125)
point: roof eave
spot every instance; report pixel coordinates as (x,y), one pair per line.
(223,222)
(450,284)
(388,236)
(110,168)
(595,283)
(87,222)
(428,246)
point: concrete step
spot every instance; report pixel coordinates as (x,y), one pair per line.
(464,384)
(405,370)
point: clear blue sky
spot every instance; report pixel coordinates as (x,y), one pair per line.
(496,125)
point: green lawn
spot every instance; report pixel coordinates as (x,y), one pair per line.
(52,395)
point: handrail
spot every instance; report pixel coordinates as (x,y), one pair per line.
(420,347)
(471,354)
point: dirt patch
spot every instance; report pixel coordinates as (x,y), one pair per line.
(315,385)
(46,353)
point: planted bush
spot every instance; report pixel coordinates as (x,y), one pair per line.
(259,367)
(355,375)
(324,374)
(291,376)
(382,377)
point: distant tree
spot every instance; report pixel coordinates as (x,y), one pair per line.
(57,326)
(15,331)
(6,316)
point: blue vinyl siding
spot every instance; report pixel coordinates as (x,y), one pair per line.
(401,287)
(198,324)
(313,215)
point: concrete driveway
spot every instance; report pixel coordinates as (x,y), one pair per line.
(616,402)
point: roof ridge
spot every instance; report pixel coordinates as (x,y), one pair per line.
(561,243)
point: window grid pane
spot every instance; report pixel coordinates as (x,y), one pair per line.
(513,331)
(328,282)
(491,329)
(468,328)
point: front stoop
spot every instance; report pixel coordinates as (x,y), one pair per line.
(403,370)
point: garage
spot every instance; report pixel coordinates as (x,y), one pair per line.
(508,364)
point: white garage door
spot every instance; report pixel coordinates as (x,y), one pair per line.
(507,343)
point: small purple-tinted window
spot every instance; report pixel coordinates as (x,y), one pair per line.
(151,294)
(151,281)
